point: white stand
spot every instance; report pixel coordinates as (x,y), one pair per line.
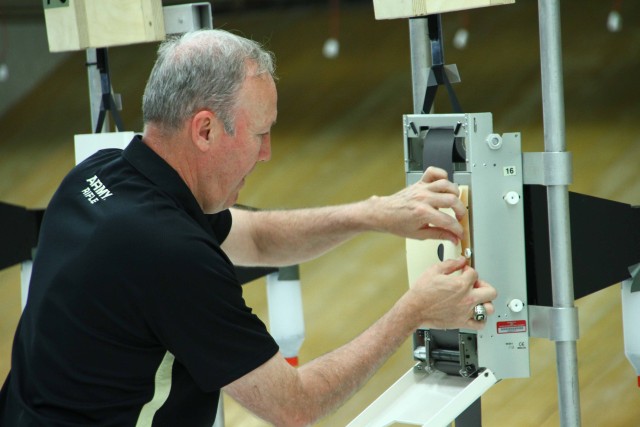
(630,322)
(423,399)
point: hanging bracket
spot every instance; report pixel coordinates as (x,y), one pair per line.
(439,73)
(107,100)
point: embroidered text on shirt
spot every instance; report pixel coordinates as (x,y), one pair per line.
(96,190)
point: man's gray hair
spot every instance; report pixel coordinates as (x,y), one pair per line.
(201,70)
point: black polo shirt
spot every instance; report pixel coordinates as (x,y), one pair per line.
(134,316)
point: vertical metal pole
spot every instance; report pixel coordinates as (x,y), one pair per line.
(558,208)
(420,60)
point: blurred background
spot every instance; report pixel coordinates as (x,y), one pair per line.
(339,139)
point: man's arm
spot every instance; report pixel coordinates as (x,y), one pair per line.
(286,396)
(277,238)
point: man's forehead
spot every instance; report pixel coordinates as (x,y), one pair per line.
(258,99)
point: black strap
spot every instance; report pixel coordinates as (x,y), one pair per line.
(438,149)
(107,103)
(437,72)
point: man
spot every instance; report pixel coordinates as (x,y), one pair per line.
(135,316)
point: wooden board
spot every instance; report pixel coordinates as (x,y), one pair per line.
(392,9)
(81,24)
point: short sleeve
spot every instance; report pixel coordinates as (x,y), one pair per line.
(221,224)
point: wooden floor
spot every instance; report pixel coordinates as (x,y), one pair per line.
(339,139)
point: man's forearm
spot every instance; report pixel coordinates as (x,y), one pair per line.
(336,376)
(278,238)
(285,397)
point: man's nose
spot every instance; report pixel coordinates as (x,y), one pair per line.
(265,149)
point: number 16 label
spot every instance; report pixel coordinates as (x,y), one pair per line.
(509,170)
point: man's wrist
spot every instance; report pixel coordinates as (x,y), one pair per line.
(370,213)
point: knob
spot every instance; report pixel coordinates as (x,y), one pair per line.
(494,141)
(515,305)
(512,198)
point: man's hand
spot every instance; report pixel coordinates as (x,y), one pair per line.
(445,299)
(413,212)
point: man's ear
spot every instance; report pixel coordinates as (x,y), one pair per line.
(203,129)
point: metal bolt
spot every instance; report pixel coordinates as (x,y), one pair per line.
(420,353)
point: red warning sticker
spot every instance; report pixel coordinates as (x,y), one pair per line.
(512,326)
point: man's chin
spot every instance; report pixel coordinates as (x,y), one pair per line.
(231,200)
(219,207)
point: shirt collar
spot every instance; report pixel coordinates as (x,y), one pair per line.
(158,171)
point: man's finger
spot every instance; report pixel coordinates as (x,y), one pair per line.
(435,233)
(444,186)
(489,307)
(448,201)
(469,273)
(484,292)
(446,222)
(433,174)
(451,265)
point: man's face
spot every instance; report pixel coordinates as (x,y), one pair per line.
(237,155)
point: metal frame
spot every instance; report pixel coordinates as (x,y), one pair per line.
(557,191)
